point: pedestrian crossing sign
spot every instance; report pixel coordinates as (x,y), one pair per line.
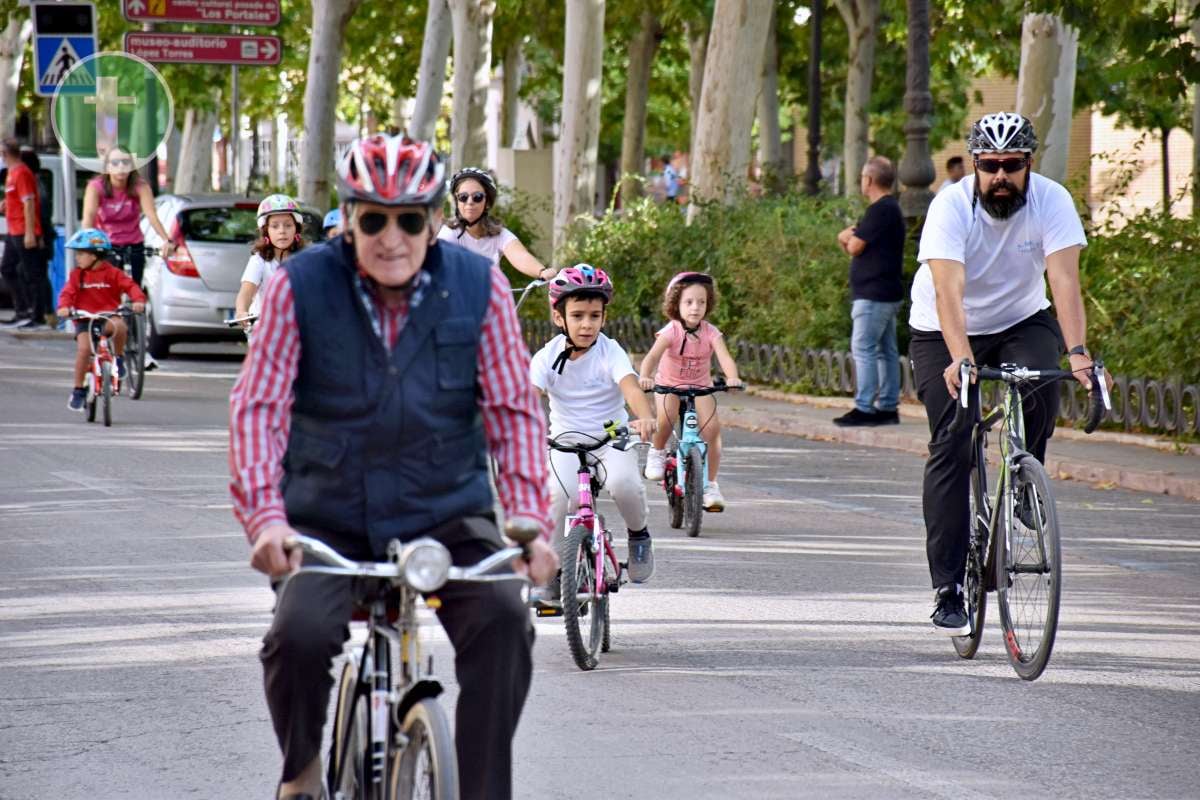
(64,35)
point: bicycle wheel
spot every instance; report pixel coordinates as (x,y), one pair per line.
(1030,558)
(350,741)
(106,390)
(135,356)
(674,501)
(426,769)
(975,582)
(579,577)
(693,496)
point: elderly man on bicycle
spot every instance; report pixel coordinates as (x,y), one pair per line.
(989,244)
(383,369)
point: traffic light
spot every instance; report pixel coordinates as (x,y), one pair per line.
(64,19)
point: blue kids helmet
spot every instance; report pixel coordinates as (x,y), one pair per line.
(92,239)
(332,219)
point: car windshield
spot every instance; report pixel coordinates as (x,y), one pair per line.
(234,225)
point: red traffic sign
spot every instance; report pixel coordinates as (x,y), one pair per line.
(203,48)
(213,12)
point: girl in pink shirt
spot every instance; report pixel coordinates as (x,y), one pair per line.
(682,356)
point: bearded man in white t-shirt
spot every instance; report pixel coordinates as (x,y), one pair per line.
(988,246)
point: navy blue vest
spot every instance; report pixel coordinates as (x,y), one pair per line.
(386,446)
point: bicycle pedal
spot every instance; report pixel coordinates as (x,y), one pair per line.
(613,586)
(547,611)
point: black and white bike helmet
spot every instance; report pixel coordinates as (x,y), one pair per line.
(1002,133)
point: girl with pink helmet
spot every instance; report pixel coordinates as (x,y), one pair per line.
(682,356)
(279,222)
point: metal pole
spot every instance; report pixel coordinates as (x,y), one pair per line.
(234,131)
(151,117)
(812,176)
(916,167)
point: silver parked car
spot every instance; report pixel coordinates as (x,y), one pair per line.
(192,293)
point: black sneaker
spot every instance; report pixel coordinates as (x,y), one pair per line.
(78,398)
(887,417)
(15,322)
(1025,511)
(30,325)
(855,418)
(120,366)
(950,614)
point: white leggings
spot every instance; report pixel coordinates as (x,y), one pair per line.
(623,480)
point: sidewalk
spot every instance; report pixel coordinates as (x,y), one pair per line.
(1108,460)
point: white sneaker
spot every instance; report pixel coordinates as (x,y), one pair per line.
(656,464)
(713,501)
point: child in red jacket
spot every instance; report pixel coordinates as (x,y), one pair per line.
(96,286)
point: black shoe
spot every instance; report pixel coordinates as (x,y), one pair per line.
(855,418)
(30,325)
(887,417)
(78,398)
(1025,513)
(950,614)
(15,322)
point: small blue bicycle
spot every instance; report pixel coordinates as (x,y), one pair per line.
(687,467)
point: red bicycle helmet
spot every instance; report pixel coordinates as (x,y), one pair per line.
(577,279)
(392,171)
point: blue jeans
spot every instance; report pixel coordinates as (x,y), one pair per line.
(876,360)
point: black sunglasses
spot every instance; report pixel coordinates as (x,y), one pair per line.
(411,222)
(476,197)
(1010,165)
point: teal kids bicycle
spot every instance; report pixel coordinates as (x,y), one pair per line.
(687,468)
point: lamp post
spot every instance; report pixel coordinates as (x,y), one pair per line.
(916,167)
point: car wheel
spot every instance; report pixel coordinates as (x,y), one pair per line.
(157,345)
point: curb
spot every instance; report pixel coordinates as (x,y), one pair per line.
(1101,475)
(41,335)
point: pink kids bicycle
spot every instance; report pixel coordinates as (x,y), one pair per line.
(590,569)
(102,381)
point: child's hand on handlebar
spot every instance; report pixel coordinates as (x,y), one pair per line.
(63,312)
(644,428)
(646,383)
(138,308)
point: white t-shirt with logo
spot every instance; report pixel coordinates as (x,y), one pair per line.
(490,247)
(1005,259)
(587,393)
(257,271)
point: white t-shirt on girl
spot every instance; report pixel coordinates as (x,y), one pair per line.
(257,271)
(490,247)
(586,394)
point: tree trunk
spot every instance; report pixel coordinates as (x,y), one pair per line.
(733,63)
(472,74)
(193,171)
(1196,121)
(697,37)
(174,140)
(1046,88)
(1166,170)
(770,144)
(575,151)
(253,174)
(637,92)
(513,61)
(13,39)
(916,168)
(431,79)
(320,98)
(862,25)
(812,170)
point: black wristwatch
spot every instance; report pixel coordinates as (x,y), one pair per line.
(1079,350)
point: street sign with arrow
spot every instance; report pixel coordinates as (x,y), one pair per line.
(210,12)
(204,48)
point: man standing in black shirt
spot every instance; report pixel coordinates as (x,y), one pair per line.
(876,247)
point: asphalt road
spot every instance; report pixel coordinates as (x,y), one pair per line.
(784,654)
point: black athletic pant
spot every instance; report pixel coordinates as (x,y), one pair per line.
(1035,343)
(487,623)
(19,268)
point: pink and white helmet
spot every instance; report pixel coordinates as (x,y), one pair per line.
(577,279)
(278,204)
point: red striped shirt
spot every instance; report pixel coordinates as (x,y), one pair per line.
(261,403)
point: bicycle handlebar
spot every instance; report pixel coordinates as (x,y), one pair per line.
(529,287)
(696,391)
(77,314)
(394,569)
(1101,401)
(237,321)
(617,436)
